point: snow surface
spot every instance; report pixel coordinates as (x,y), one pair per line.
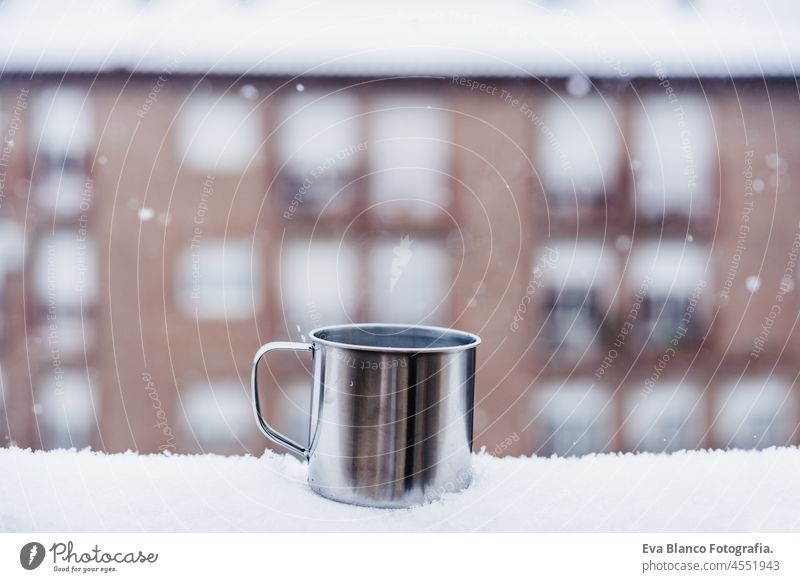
(370,37)
(70,491)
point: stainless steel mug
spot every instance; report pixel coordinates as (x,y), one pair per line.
(391,412)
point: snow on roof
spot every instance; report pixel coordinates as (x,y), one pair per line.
(686,491)
(608,38)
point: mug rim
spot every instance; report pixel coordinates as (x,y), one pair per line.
(473,339)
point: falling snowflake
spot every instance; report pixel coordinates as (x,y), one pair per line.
(775,162)
(146,214)
(578,85)
(300,87)
(248,92)
(753,283)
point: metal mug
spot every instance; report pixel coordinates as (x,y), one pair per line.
(391,412)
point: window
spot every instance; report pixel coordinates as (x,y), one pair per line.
(573,419)
(218,133)
(674,155)
(218,415)
(577,278)
(62,118)
(667,418)
(410,157)
(578,149)
(220,279)
(673,274)
(65,288)
(62,122)
(319,279)
(65,274)
(66,410)
(320,144)
(61,188)
(409,281)
(755,413)
(12,244)
(68,333)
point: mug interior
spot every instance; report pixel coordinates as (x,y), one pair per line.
(391,337)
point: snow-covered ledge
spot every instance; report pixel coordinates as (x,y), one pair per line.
(70,491)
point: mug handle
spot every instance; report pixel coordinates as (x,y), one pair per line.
(270,432)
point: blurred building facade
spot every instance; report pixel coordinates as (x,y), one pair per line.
(627,249)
